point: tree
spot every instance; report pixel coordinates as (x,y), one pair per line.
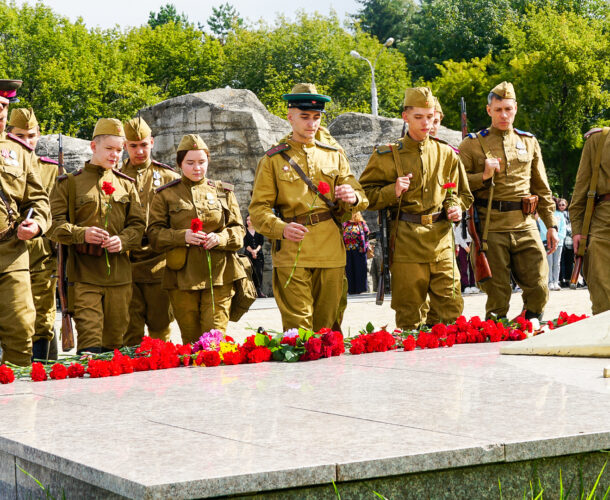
(223,20)
(385,18)
(167,14)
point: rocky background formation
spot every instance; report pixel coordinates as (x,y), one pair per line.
(238,129)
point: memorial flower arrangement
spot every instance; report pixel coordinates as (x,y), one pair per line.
(323,189)
(108,189)
(196,226)
(214,348)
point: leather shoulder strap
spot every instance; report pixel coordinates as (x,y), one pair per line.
(590,207)
(330,204)
(71,197)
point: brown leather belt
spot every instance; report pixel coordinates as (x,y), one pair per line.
(602,197)
(89,249)
(422,219)
(309,219)
(501,206)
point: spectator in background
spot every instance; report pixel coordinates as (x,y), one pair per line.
(462,245)
(355,237)
(555,258)
(253,243)
(567,256)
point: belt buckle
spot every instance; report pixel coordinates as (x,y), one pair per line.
(427,219)
(500,206)
(311,219)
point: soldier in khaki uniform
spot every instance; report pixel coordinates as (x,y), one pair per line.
(43,262)
(281,209)
(408,176)
(20,190)
(187,274)
(104,226)
(514,160)
(149,301)
(597,257)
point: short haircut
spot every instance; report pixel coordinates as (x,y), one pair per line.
(407,108)
(98,138)
(493,95)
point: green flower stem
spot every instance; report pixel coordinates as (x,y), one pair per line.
(211,281)
(108,209)
(294,266)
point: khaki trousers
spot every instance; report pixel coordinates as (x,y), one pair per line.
(17,317)
(522,253)
(312,298)
(101,315)
(412,282)
(149,306)
(596,270)
(43,292)
(194,312)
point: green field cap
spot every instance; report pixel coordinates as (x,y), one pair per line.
(305,96)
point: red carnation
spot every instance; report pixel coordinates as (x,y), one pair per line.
(422,340)
(58,372)
(409,343)
(38,372)
(211,358)
(449,185)
(76,370)
(107,188)
(98,368)
(232,358)
(6,375)
(357,346)
(323,187)
(439,330)
(433,342)
(259,355)
(196,225)
(313,349)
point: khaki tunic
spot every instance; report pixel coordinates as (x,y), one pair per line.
(423,259)
(596,264)
(125,219)
(23,189)
(43,265)
(277,186)
(519,249)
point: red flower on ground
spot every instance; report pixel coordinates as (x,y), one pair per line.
(439,330)
(108,188)
(409,343)
(357,346)
(58,372)
(98,368)
(38,372)
(76,370)
(323,187)
(6,375)
(232,358)
(196,225)
(259,355)
(211,358)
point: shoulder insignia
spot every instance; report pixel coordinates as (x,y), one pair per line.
(387,148)
(20,141)
(472,136)
(277,149)
(327,146)
(221,185)
(455,150)
(526,134)
(44,159)
(65,176)
(592,131)
(163,165)
(484,132)
(124,176)
(227,186)
(169,184)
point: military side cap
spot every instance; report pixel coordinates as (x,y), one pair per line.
(419,97)
(8,89)
(108,126)
(137,129)
(505,90)
(305,96)
(23,118)
(437,107)
(191,142)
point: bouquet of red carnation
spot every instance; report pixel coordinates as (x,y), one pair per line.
(323,189)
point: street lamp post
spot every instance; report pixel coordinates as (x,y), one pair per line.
(356,55)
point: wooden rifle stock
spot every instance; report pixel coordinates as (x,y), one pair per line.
(384,279)
(576,271)
(67,332)
(481,269)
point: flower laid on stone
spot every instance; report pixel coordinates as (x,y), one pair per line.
(215,348)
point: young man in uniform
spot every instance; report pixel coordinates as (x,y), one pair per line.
(286,209)
(43,263)
(149,301)
(410,176)
(97,212)
(597,256)
(20,191)
(511,161)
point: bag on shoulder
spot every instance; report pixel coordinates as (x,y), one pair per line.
(245,291)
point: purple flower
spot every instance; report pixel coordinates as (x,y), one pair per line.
(293,332)
(209,341)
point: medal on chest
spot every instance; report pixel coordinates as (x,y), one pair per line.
(211,199)
(156,178)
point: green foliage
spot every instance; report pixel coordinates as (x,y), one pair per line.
(385,18)
(223,20)
(167,14)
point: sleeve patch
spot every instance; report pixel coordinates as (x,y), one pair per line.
(277,149)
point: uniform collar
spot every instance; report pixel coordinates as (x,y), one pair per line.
(411,144)
(96,169)
(495,131)
(301,145)
(142,166)
(189,183)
